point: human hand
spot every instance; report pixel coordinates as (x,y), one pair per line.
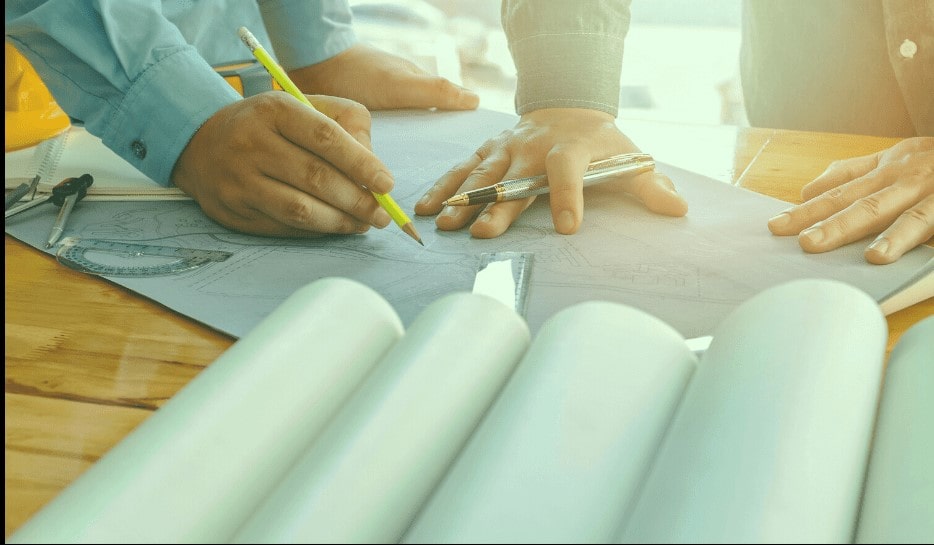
(380,80)
(890,192)
(561,142)
(270,165)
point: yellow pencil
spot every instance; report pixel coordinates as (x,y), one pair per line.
(384,200)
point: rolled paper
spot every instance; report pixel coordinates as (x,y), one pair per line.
(562,451)
(898,501)
(771,439)
(370,471)
(200,465)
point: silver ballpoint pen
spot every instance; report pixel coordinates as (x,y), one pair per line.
(520,188)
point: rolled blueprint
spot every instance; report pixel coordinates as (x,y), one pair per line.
(371,469)
(561,453)
(196,468)
(771,439)
(898,502)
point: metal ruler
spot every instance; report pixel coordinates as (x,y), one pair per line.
(124,259)
(505,276)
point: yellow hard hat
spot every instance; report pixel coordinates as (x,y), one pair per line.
(32,115)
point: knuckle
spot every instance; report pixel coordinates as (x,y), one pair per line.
(315,176)
(362,206)
(870,205)
(920,216)
(325,134)
(298,212)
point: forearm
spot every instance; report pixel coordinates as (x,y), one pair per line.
(124,70)
(567,54)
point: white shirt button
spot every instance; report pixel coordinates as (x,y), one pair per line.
(908,49)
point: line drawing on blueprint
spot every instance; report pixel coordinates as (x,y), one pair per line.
(689,272)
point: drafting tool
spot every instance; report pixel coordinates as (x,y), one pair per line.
(19,192)
(627,164)
(132,260)
(66,195)
(49,153)
(505,277)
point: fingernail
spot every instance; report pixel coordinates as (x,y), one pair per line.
(381,218)
(780,220)
(565,223)
(426,198)
(485,217)
(815,235)
(880,245)
(382,183)
(448,211)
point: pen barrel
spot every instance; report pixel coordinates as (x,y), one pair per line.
(598,171)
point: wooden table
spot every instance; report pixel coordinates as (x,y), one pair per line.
(87,360)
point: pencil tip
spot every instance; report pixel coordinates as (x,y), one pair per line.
(410,230)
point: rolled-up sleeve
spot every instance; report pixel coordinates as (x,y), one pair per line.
(567,53)
(124,70)
(303,33)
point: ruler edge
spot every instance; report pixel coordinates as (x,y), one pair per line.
(521,276)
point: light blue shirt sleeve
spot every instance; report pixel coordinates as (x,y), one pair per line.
(304,33)
(132,76)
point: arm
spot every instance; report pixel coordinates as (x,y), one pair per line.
(267,164)
(315,43)
(568,59)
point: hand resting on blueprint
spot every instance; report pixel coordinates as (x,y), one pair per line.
(381,80)
(560,142)
(270,165)
(890,193)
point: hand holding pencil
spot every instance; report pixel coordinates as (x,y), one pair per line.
(270,165)
(384,199)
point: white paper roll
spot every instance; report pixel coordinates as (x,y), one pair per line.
(561,453)
(898,502)
(371,469)
(195,469)
(771,439)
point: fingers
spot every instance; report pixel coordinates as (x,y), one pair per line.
(865,216)
(487,172)
(658,194)
(426,91)
(912,228)
(565,169)
(840,172)
(447,185)
(326,139)
(838,198)
(496,218)
(277,209)
(314,177)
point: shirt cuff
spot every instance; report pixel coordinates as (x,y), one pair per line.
(303,33)
(163,109)
(568,71)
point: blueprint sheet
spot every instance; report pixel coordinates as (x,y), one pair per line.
(690,272)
